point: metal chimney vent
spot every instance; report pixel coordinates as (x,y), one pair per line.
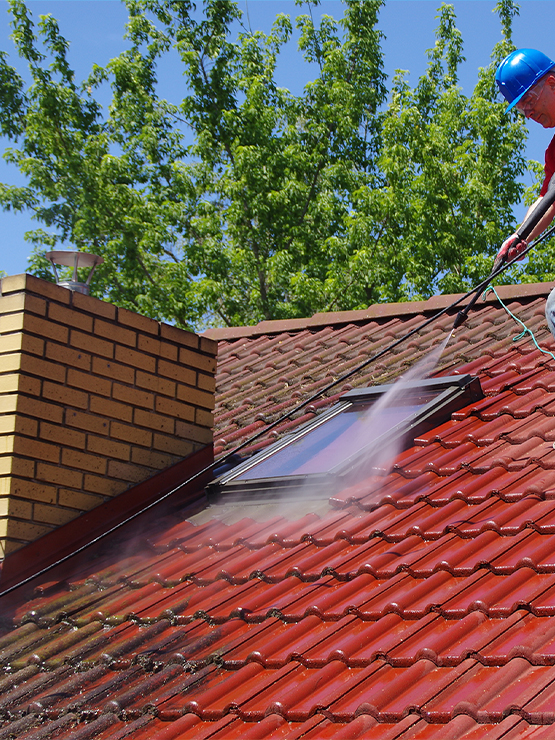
(73,259)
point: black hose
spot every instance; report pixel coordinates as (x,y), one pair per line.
(221,461)
(523,232)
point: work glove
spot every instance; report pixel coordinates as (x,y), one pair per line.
(511,248)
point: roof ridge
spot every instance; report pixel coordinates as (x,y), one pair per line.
(375,311)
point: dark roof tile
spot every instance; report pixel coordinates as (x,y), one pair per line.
(414,604)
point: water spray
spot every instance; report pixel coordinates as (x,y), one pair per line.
(232,454)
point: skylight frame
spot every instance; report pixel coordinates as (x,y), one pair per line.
(453,392)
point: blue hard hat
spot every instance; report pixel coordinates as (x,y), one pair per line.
(519,71)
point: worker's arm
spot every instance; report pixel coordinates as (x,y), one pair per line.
(543,223)
(515,245)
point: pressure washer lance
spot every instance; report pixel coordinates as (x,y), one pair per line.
(523,233)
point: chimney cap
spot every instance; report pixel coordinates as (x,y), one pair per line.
(68,258)
(71,258)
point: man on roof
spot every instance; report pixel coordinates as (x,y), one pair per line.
(527,80)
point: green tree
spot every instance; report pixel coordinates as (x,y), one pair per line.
(242,201)
(450,166)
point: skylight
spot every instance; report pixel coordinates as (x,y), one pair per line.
(366,425)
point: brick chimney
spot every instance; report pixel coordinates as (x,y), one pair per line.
(93,399)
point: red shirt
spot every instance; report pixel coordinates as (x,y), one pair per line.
(549,165)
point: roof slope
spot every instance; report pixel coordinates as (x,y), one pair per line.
(265,371)
(415,608)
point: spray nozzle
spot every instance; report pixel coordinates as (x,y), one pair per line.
(460,319)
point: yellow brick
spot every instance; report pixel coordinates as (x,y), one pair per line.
(13,284)
(206,383)
(88,382)
(89,343)
(10,362)
(156,384)
(33,490)
(68,356)
(9,383)
(104,486)
(179,336)
(93,306)
(128,471)
(32,345)
(25,531)
(13,303)
(39,409)
(209,346)
(11,322)
(111,369)
(9,546)
(177,372)
(172,445)
(133,396)
(6,444)
(87,422)
(34,304)
(179,410)
(17,508)
(53,514)
(137,321)
(45,329)
(43,368)
(169,351)
(195,434)
(132,434)
(148,344)
(47,289)
(23,468)
(156,460)
(153,421)
(8,403)
(194,359)
(108,448)
(204,418)
(138,360)
(83,461)
(12,465)
(62,435)
(18,424)
(29,385)
(60,476)
(117,334)
(17,383)
(79,500)
(113,409)
(37,449)
(7,423)
(195,397)
(70,317)
(11,342)
(64,395)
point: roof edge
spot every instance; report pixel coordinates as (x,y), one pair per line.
(56,546)
(375,311)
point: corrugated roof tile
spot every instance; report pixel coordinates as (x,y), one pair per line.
(413,605)
(483,691)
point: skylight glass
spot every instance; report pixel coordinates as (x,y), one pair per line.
(364,422)
(344,435)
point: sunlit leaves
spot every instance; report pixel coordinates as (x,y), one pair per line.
(238,201)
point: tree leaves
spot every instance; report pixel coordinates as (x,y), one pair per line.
(241,201)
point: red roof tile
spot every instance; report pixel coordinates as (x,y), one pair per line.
(410,606)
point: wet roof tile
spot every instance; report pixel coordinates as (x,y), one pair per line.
(415,604)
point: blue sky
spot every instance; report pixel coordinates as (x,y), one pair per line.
(95,29)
